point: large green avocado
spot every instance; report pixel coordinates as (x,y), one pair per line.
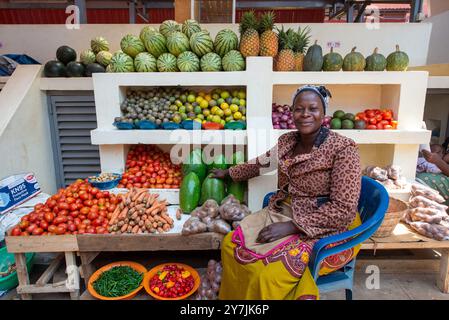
(212,188)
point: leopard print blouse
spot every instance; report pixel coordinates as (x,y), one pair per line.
(332,169)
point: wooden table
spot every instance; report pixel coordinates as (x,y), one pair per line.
(404,238)
(66,245)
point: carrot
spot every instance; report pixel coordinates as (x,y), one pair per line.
(114,215)
(129,229)
(138,194)
(161,220)
(132,223)
(150,218)
(160,230)
(124,228)
(166,227)
(153,230)
(134,216)
(155,225)
(135,229)
(144,217)
(141,223)
(122,214)
(167,218)
(141,197)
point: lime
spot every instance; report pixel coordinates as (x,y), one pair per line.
(349,116)
(189,108)
(183,116)
(242,102)
(347,124)
(178,103)
(220,101)
(182,109)
(208,97)
(243,118)
(209,117)
(191,98)
(200,116)
(197,110)
(222,122)
(236,101)
(220,113)
(216,119)
(242,110)
(183,98)
(199,99)
(215,96)
(229,119)
(235,93)
(212,103)
(237,115)
(173,107)
(225,94)
(234,108)
(227,112)
(177,118)
(214,110)
(242,95)
(206,112)
(336,123)
(201,94)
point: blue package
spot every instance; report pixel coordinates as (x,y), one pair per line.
(16,189)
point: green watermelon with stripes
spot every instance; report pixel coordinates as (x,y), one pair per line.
(121,62)
(225,41)
(147,30)
(201,43)
(167,63)
(190,26)
(87,57)
(188,62)
(156,44)
(169,26)
(145,62)
(211,62)
(233,61)
(177,43)
(131,45)
(99,44)
(108,68)
(104,58)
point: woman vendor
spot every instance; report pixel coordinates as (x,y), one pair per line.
(319,181)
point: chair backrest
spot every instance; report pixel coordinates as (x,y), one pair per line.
(372,196)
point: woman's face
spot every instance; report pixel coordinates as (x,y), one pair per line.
(308,112)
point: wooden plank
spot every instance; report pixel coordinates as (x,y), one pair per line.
(62,243)
(73,276)
(405,245)
(48,274)
(86,265)
(22,273)
(149,242)
(443,279)
(29,289)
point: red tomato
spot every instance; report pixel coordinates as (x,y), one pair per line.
(385,122)
(31,227)
(16,232)
(73,207)
(70,200)
(92,216)
(33,217)
(74,214)
(63,206)
(37,231)
(90,229)
(24,224)
(100,230)
(380,126)
(88,203)
(372,121)
(94,191)
(51,228)
(370,113)
(371,127)
(49,216)
(71,227)
(44,225)
(63,213)
(60,230)
(388,127)
(60,219)
(378,117)
(84,210)
(86,222)
(51,203)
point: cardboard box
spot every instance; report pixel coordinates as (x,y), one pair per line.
(16,189)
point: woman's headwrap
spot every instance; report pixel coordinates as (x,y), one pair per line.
(321,91)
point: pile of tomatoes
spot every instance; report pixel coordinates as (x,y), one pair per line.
(377,119)
(149,167)
(77,209)
(172,281)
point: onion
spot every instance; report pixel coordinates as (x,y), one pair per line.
(290,121)
(292,126)
(283,125)
(276,126)
(280,109)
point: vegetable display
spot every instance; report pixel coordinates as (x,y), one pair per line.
(118,281)
(149,167)
(77,209)
(167,105)
(210,282)
(140,212)
(373,119)
(172,281)
(281,117)
(103,177)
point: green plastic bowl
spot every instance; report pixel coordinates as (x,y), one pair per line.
(11,280)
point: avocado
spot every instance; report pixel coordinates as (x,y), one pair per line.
(349,116)
(339,114)
(347,124)
(335,123)
(359,124)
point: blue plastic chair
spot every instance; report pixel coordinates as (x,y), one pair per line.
(373,204)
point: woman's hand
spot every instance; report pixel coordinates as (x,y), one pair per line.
(220,173)
(276,231)
(431,157)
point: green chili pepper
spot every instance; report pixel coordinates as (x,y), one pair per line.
(118,281)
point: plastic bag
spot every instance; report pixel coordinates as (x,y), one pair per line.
(423,202)
(394,172)
(219,226)
(434,231)
(376,173)
(193,225)
(210,282)
(429,215)
(429,193)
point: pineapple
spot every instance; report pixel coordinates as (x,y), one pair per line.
(268,38)
(301,42)
(249,36)
(285,59)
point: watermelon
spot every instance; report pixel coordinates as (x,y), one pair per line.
(94,68)
(233,61)
(156,44)
(121,62)
(237,189)
(194,163)
(104,58)
(167,63)
(225,41)
(75,69)
(189,192)
(169,26)
(188,62)
(145,62)
(201,43)
(87,56)
(177,43)
(190,26)
(99,44)
(54,69)
(147,30)
(108,68)
(211,62)
(131,45)
(212,188)
(65,54)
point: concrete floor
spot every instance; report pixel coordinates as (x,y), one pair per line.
(404,275)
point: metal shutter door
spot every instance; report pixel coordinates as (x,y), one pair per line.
(72,117)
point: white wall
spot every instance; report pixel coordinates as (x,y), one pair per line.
(41,41)
(25,142)
(439,43)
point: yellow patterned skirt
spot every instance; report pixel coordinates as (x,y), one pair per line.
(281,275)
